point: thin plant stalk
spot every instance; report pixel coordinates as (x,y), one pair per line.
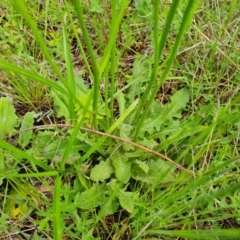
(70,82)
(158,48)
(23,154)
(20,6)
(78,40)
(35,76)
(57,216)
(185,22)
(112,88)
(96,79)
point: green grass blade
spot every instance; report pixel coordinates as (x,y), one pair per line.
(20,6)
(35,76)
(79,13)
(103,138)
(78,40)
(198,234)
(31,175)
(70,82)
(23,154)
(159,45)
(185,22)
(112,90)
(70,143)
(110,67)
(113,33)
(57,216)
(158,48)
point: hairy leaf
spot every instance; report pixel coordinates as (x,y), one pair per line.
(126,200)
(91,198)
(101,171)
(159,171)
(122,168)
(162,115)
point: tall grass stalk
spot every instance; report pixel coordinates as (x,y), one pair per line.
(80,45)
(158,50)
(96,73)
(183,199)
(70,81)
(99,69)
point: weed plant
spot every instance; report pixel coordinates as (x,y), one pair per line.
(119,119)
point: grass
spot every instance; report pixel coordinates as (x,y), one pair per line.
(119,121)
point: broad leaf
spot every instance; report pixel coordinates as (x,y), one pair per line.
(125,131)
(60,101)
(159,172)
(8,118)
(126,200)
(178,103)
(56,149)
(91,198)
(102,171)
(26,136)
(142,165)
(122,168)
(110,206)
(52,146)
(162,115)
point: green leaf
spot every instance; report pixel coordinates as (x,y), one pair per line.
(112,203)
(179,101)
(121,102)
(125,131)
(122,168)
(159,172)
(26,136)
(49,145)
(150,143)
(95,6)
(143,8)
(56,149)
(102,171)
(59,103)
(163,115)
(115,185)
(142,165)
(8,118)
(110,206)
(126,200)
(91,198)
(86,100)
(2,165)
